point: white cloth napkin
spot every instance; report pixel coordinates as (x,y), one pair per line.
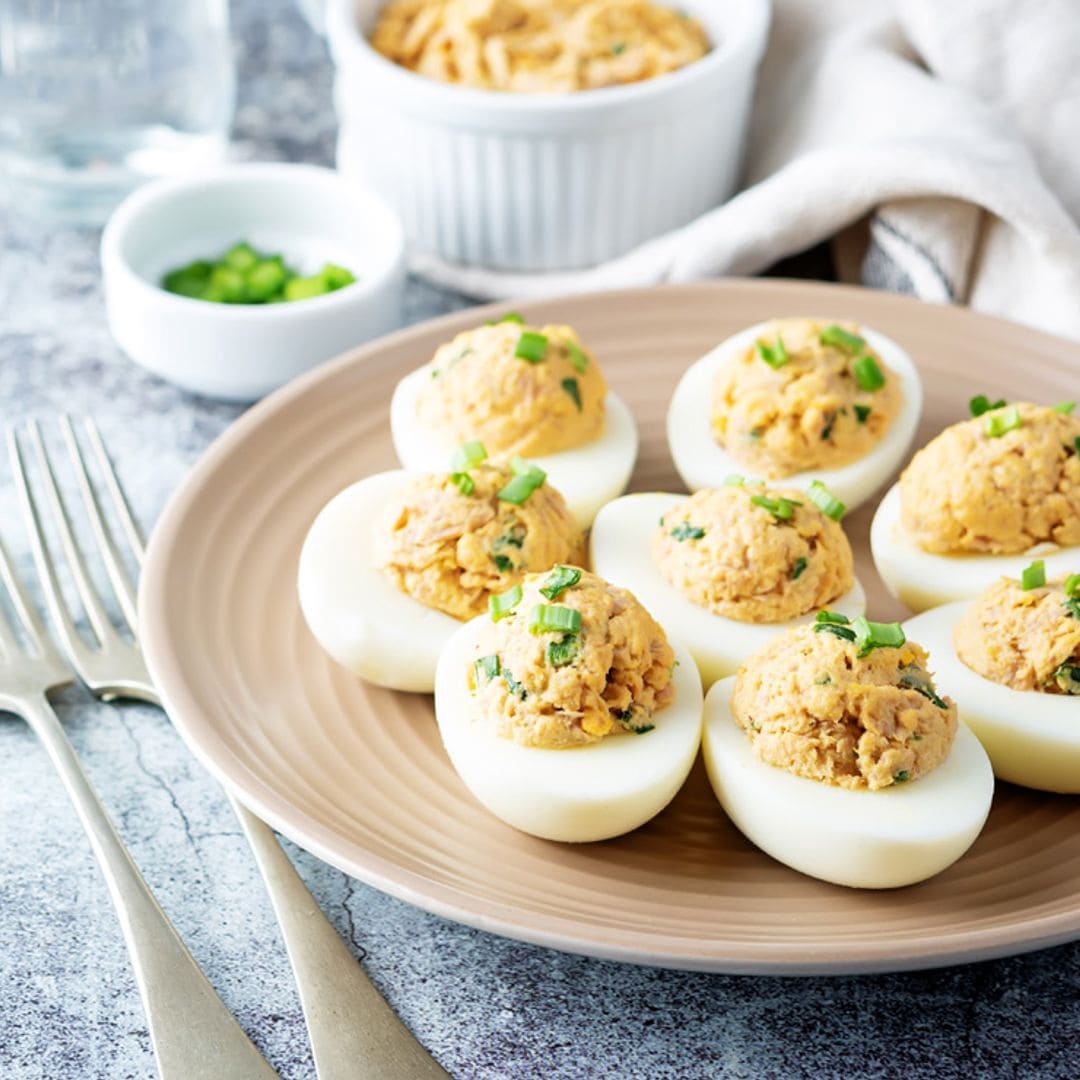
(937,142)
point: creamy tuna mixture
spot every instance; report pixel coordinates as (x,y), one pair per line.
(451,551)
(562,687)
(804,396)
(969,490)
(519,389)
(811,705)
(1023,639)
(735,557)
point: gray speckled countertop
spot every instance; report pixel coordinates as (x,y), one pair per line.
(486,1007)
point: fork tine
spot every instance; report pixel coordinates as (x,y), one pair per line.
(99,620)
(9,643)
(123,511)
(118,576)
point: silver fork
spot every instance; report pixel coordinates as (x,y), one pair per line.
(353,1032)
(193,1033)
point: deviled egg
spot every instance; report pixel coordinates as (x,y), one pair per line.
(726,569)
(979,501)
(1012,657)
(566,711)
(797,400)
(834,753)
(533,391)
(395,563)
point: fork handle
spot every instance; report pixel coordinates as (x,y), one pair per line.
(353,1031)
(194,1035)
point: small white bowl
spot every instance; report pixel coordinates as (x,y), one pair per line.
(238,352)
(546,181)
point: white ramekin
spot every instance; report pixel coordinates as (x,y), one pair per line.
(239,352)
(546,181)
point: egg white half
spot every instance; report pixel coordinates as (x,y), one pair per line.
(1033,739)
(619,552)
(703,463)
(922,579)
(864,839)
(587,476)
(356,613)
(580,794)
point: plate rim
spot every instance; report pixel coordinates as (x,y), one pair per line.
(938,950)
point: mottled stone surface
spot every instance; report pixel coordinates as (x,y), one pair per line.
(488,1008)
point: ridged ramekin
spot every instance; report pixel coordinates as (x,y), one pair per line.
(546,181)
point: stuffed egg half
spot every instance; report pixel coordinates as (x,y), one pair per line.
(566,711)
(1012,659)
(982,500)
(725,570)
(537,392)
(394,564)
(843,764)
(797,400)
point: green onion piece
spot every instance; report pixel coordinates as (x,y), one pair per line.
(190,280)
(843,632)
(1076,445)
(734,480)
(468,455)
(560,579)
(577,357)
(862,413)
(980,404)
(902,776)
(266,279)
(998,423)
(1065,407)
(831,617)
(240,257)
(554,619)
(685,531)
(526,479)
(510,316)
(618,48)
(513,685)
(827,430)
(304,288)
(826,501)
(776,356)
(562,652)
(798,567)
(503,604)
(503,563)
(867,373)
(488,666)
(874,635)
(531,346)
(571,387)
(843,339)
(1033,576)
(1072,585)
(465,483)
(336,277)
(781,508)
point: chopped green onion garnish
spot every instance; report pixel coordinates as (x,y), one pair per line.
(1033,576)
(867,373)
(464,481)
(554,619)
(503,604)
(840,338)
(618,48)
(902,776)
(467,456)
(826,501)
(843,632)
(734,480)
(826,616)
(488,666)
(513,685)
(503,563)
(827,430)
(560,579)
(571,387)
(1065,407)
(562,652)
(980,404)
(914,678)
(685,531)
(526,479)
(862,413)
(998,423)
(577,357)
(1072,585)
(510,316)
(798,567)
(875,635)
(776,356)
(1076,445)
(781,508)
(531,346)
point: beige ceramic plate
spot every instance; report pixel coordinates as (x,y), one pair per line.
(358,775)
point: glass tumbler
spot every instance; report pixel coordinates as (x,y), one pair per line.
(99,95)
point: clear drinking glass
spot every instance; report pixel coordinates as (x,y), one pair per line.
(99,95)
